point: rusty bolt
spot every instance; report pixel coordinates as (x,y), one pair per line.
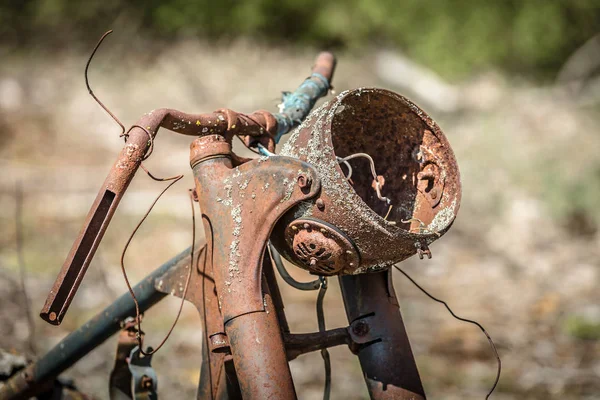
(360,328)
(304,182)
(320,204)
(313,261)
(433,193)
(306,225)
(194,195)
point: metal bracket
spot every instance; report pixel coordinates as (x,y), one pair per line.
(132,376)
(144,380)
(362,331)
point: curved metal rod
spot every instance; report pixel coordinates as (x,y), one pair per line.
(313,285)
(324,352)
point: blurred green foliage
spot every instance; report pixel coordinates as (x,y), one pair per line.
(581,328)
(455,38)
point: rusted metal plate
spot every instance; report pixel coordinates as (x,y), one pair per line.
(320,247)
(379,337)
(202,294)
(380,391)
(239,213)
(240,207)
(409,150)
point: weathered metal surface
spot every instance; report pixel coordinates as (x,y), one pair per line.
(259,355)
(223,122)
(270,286)
(377,329)
(89,336)
(295,106)
(144,379)
(380,391)
(297,344)
(322,248)
(120,376)
(97,220)
(409,150)
(238,214)
(218,378)
(262,125)
(202,294)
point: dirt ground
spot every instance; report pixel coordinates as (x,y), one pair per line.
(510,261)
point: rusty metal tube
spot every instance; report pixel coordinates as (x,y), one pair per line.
(89,336)
(387,360)
(259,355)
(97,220)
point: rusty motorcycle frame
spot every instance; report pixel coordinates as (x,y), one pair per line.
(315,215)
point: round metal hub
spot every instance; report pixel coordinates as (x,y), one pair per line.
(319,247)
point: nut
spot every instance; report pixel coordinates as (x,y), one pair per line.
(304,182)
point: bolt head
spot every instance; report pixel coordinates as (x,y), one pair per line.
(360,328)
(320,204)
(304,182)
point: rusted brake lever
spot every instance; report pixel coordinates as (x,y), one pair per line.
(260,124)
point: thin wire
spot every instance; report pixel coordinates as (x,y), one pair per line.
(373,172)
(187,282)
(87,83)
(321,322)
(363,155)
(388,212)
(312,285)
(174,180)
(340,160)
(489,338)
(150,140)
(123,134)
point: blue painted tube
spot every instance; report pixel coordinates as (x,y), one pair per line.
(297,105)
(105,324)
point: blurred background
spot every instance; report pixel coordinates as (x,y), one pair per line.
(515,85)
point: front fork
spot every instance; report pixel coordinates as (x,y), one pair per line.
(240,205)
(385,355)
